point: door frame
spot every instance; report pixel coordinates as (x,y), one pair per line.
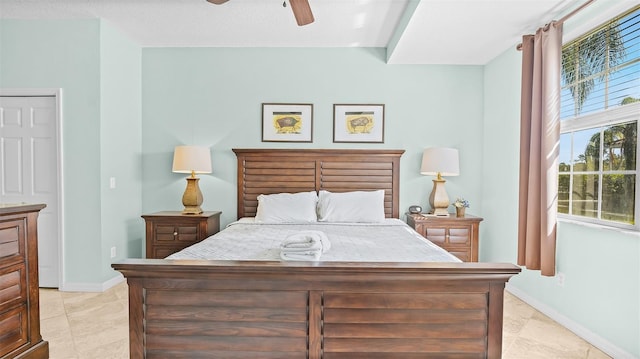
(57,94)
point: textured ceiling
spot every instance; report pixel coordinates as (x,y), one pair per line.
(414,32)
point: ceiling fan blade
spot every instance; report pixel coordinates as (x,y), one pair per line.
(217,2)
(302,11)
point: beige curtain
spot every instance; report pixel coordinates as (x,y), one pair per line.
(539,142)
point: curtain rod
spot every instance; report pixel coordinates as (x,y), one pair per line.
(567,16)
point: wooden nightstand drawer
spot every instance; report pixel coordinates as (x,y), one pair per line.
(163,252)
(460,236)
(447,236)
(457,235)
(435,235)
(170,231)
(462,255)
(166,233)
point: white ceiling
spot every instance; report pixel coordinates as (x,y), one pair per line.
(414,32)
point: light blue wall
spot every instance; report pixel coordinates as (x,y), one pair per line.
(213,97)
(69,54)
(601,266)
(66,54)
(501,146)
(120,146)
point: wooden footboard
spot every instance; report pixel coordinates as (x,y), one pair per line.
(231,309)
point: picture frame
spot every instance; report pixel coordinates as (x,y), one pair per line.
(287,122)
(358,123)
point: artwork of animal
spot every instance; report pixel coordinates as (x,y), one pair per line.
(288,125)
(359,121)
(362,124)
(287,122)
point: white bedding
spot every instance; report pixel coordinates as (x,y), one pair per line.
(388,241)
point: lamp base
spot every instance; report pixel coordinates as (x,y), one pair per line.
(440,212)
(192,197)
(439,200)
(192,210)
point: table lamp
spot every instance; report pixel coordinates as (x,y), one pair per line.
(439,161)
(192,159)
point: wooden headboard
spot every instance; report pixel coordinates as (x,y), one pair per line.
(267,171)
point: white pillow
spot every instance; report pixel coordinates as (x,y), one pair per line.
(287,207)
(357,206)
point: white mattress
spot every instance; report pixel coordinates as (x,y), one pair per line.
(389,241)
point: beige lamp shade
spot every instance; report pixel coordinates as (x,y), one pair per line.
(439,161)
(192,159)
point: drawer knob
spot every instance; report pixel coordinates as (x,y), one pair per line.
(175,233)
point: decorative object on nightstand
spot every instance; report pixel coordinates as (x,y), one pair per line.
(192,159)
(439,161)
(170,231)
(458,235)
(415,209)
(460,204)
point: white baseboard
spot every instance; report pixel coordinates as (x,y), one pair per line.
(584,333)
(92,287)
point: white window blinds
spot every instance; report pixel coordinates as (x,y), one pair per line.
(601,70)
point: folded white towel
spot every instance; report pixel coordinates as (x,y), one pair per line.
(305,245)
(301,256)
(306,240)
(302,244)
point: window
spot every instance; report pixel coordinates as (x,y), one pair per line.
(600,111)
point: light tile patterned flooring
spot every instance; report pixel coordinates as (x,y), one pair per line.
(94,326)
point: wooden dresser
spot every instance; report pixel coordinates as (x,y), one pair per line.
(19,294)
(458,235)
(170,231)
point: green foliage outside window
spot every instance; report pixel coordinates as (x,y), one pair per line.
(600,78)
(617,158)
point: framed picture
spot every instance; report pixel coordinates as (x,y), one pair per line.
(358,123)
(287,122)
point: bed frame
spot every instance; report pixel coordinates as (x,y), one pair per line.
(251,309)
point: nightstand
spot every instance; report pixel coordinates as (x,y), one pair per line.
(170,231)
(458,235)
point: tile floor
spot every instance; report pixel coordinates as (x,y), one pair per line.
(94,326)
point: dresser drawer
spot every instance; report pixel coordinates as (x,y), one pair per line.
(19,295)
(13,329)
(12,289)
(11,239)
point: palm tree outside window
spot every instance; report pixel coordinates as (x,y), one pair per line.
(600,111)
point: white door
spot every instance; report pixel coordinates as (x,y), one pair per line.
(29,164)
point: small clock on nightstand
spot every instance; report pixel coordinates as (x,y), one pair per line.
(415,209)
(170,231)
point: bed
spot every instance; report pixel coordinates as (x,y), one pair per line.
(315,309)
